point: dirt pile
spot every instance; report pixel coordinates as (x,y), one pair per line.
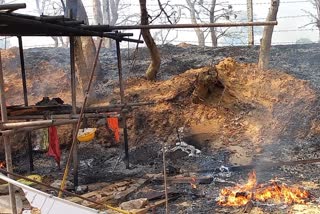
(45,78)
(230,105)
(246,110)
(283,106)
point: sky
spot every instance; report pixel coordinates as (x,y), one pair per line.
(291,19)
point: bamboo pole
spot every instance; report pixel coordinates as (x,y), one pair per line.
(26,129)
(100,109)
(123,114)
(23,72)
(74,111)
(12,6)
(10,125)
(165,174)
(168,26)
(105,28)
(66,171)
(63,116)
(6,140)
(25,98)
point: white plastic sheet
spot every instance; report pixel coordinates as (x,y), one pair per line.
(49,204)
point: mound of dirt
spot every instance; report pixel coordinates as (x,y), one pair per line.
(284,105)
(45,77)
(251,108)
(232,104)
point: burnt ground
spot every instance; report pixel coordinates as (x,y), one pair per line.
(99,161)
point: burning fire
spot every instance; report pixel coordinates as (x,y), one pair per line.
(3,164)
(193,183)
(241,194)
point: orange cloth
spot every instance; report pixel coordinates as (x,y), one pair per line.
(113,124)
(54,146)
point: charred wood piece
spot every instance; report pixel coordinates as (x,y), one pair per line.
(187,180)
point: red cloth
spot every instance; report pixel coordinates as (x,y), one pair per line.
(54,147)
(113,124)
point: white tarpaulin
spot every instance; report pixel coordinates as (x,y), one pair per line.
(49,204)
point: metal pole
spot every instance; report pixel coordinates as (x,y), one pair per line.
(250,19)
(123,114)
(74,111)
(25,98)
(6,140)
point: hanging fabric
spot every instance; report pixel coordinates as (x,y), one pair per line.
(54,147)
(113,124)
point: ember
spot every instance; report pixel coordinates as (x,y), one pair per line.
(241,194)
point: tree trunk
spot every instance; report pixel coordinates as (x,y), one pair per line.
(318,26)
(213,34)
(63,43)
(317,5)
(265,45)
(97,13)
(114,6)
(199,33)
(56,41)
(155,56)
(106,20)
(85,51)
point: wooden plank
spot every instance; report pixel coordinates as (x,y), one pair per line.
(111,193)
(151,206)
(187,180)
(132,189)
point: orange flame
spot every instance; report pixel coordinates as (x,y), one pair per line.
(3,164)
(241,194)
(193,183)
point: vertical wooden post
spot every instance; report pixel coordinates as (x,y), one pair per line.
(250,19)
(25,98)
(66,171)
(6,140)
(74,111)
(123,114)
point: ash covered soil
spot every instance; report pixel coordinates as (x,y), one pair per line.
(249,116)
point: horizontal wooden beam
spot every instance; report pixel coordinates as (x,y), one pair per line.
(39,110)
(63,116)
(10,125)
(167,26)
(29,26)
(28,129)
(12,7)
